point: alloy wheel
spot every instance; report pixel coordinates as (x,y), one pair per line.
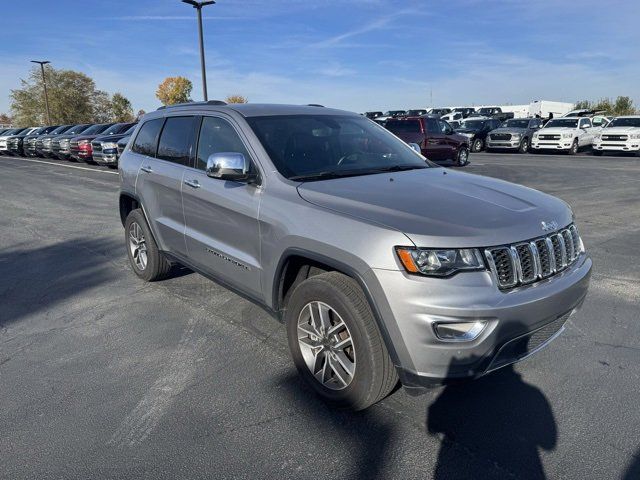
(138,246)
(326,345)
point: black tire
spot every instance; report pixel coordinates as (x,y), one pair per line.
(574,148)
(524,146)
(156,266)
(463,157)
(374,375)
(477,145)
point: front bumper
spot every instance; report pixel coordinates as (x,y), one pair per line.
(517,320)
(506,144)
(562,144)
(628,146)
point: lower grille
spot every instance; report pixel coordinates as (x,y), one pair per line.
(528,262)
(549,137)
(519,348)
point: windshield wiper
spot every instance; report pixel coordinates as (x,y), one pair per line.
(399,168)
(353,173)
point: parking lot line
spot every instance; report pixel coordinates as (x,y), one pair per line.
(66,166)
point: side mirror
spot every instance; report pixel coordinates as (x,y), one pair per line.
(416,147)
(228,166)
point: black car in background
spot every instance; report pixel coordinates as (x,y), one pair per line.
(416,112)
(60,144)
(372,115)
(29,142)
(43,142)
(15,142)
(82,146)
(465,111)
(476,130)
(122,143)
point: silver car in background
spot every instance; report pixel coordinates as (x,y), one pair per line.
(383,266)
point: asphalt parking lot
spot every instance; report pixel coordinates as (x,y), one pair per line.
(104,376)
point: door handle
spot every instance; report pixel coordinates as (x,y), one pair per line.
(192,183)
(146,168)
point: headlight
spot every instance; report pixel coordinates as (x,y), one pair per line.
(440,262)
(635,136)
(535,135)
(515,135)
(109,145)
(567,135)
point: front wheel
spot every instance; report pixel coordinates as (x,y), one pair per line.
(463,157)
(524,146)
(574,147)
(335,342)
(477,145)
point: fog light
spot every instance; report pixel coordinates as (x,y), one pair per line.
(459,331)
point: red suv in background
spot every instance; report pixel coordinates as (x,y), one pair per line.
(437,140)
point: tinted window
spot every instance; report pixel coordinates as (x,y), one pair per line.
(217,136)
(403,126)
(175,140)
(431,124)
(77,129)
(117,128)
(625,122)
(147,138)
(95,129)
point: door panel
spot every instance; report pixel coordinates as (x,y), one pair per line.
(222,232)
(160,186)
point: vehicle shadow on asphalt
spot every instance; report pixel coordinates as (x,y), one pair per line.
(492,427)
(633,470)
(36,279)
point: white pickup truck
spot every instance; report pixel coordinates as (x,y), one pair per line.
(567,134)
(621,135)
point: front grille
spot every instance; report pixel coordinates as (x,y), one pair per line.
(615,138)
(530,261)
(549,137)
(520,347)
(501,136)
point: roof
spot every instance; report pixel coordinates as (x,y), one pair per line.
(259,109)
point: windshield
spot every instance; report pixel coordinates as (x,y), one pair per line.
(625,122)
(130,130)
(412,113)
(322,146)
(485,111)
(562,123)
(95,129)
(61,129)
(76,129)
(403,126)
(516,124)
(473,124)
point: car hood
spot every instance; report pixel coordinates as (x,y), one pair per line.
(620,130)
(84,137)
(462,131)
(110,138)
(441,208)
(552,130)
(509,130)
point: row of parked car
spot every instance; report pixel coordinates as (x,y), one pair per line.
(452,115)
(92,143)
(579,129)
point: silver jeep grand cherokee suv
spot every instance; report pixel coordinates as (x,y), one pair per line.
(383,266)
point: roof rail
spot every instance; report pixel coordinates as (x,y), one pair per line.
(314,105)
(188,104)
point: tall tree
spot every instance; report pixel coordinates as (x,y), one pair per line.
(582,105)
(121,109)
(623,106)
(174,90)
(5,119)
(236,99)
(73,98)
(140,114)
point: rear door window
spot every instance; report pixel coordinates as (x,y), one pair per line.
(404,126)
(176,140)
(146,141)
(431,125)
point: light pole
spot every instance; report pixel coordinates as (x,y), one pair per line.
(198,6)
(44,82)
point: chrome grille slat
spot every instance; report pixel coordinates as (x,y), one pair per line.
(527,262)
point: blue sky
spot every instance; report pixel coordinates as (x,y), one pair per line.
(353,54)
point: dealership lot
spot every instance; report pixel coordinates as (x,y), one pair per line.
(103,375)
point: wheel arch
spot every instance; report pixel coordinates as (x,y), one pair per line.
(294,257)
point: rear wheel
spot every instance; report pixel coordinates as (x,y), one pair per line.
(477,145)
(524,145)
(147,261)
(335,342)
(574,147)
